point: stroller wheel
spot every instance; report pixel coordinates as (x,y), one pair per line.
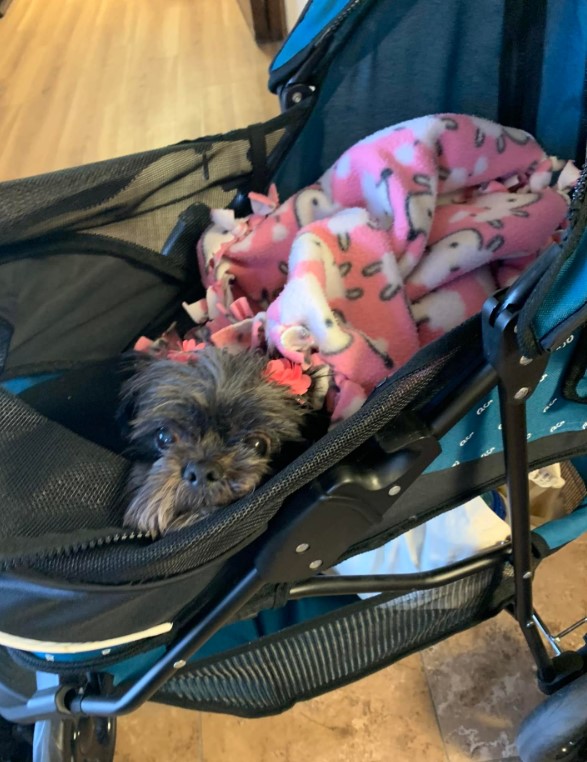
(91,739)
(556,731)
(94,739)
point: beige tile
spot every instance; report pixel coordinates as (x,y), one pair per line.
(157,733)
(482,681)
(387,716)
(560,590)
(482,685)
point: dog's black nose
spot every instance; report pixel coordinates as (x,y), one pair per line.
(196,473)
(191,473)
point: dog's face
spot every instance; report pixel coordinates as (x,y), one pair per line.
(204,434)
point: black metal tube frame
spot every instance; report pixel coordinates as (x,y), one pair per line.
(514,431)
(69,701)
(400,583)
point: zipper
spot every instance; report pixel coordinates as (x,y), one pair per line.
(338,21)
(578,198)
(80,547)
(334,24)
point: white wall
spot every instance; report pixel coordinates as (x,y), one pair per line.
(293,8)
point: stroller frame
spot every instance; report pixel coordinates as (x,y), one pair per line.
(306,523)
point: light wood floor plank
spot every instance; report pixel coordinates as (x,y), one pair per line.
(82,81)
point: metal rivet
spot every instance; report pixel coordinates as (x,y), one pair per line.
(316,564)
(296,97)
(395,490)
(302,547)
(521,393)
(525,360)
(179,664)
(527,575)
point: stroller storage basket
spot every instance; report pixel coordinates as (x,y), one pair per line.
(270,675)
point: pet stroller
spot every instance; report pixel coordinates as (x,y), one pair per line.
(95,620)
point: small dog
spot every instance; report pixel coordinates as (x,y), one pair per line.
(204,434)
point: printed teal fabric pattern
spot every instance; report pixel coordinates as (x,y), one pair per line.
(478,434)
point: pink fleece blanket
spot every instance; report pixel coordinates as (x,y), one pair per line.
(401,240)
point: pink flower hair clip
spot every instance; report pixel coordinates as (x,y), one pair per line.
(287,373)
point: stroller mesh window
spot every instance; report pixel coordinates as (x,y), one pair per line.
(207,171)
(72,469)
(272,674)
(127,227)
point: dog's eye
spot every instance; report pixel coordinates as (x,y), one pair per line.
(258,444)
(163,438)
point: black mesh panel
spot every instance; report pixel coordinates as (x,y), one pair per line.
(52,480)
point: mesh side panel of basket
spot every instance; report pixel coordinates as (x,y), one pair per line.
(307,660)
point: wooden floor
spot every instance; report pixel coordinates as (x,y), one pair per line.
(84,80)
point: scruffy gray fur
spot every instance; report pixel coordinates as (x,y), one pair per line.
(204,435)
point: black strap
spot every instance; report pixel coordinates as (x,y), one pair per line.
(520,75)
(258,158)
(99,245)
(575,371)
(6,331)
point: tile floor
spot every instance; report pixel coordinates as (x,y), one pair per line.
(459,700)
